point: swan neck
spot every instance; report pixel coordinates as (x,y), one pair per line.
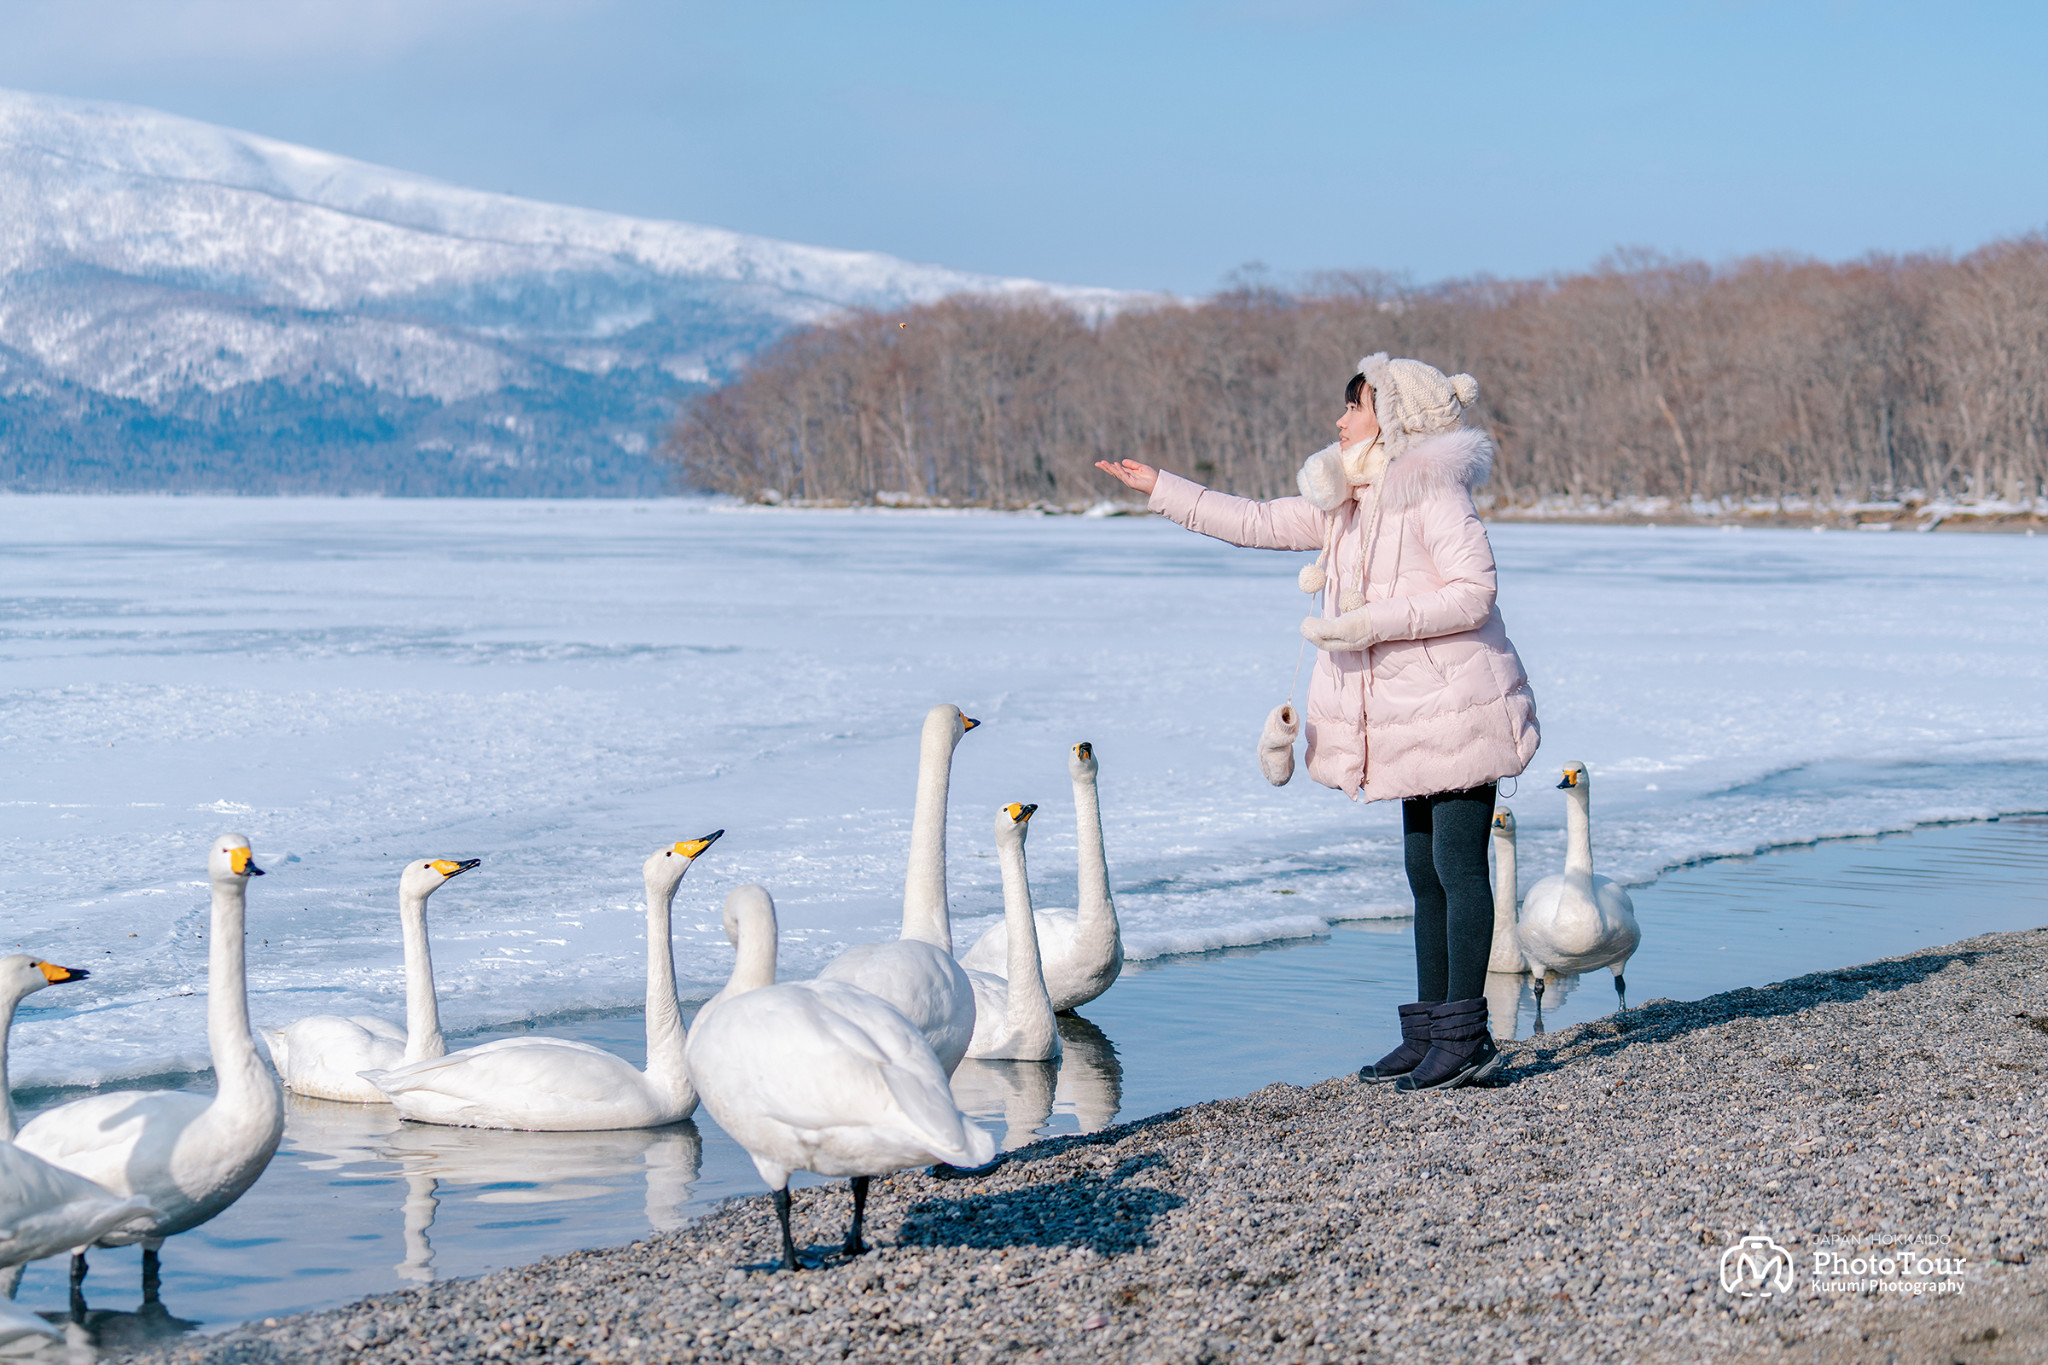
(1505,886)
(753,966)
(665,1034)
(1578,854)
(1025,971)
(1097,910)
(924,888)
(423,1038)
(238,1071)
(7,1005)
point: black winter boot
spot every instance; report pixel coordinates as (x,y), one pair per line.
(1414,1047)
(1460,1048)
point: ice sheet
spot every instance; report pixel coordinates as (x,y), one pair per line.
(559,688)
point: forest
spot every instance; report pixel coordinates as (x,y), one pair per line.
(1765,379)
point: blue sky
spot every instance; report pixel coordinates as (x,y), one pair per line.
(1142,144)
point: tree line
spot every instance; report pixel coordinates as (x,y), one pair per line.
(1768,378)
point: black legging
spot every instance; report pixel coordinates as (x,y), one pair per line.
(1444,841)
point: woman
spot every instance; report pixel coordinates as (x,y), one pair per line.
(1417,693)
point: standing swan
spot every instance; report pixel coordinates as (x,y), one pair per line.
(1581,920)
(44,1209)
(916,973)
(1082,950)
(820,1076)
(191,1155)
(1012,1013)
(555,1085)
(324,1055)
(1506,957)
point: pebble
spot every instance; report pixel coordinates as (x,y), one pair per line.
(1574,1211)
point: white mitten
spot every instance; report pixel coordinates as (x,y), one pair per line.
(1352,630)
(1276,744)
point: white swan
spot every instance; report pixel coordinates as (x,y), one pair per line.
(45,1210)
(1578,921)
(191,1155)
(820,1076)
(1507,954)
(1082,950)
(324,1055)
(916,973)
(555,1085)
(1012,1012)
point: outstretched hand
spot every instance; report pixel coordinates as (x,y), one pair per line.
(1143,477)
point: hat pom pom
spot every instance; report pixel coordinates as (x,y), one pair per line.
(1466,387)
(1312,578)
(1353,600)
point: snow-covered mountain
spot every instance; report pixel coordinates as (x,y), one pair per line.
(186,306)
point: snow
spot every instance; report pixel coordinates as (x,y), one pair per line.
(559,688)
(104,196)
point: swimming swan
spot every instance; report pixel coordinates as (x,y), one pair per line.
(324,1055)
(1012,1012)
(555,1085)
(1581,920)
(44,1209)
(1081,950)
(1506,955)
(916,973)
(820,1076)
(189,1154)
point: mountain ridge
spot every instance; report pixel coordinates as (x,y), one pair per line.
(189,306)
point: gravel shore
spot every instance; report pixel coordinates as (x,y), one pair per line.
(1577,1210)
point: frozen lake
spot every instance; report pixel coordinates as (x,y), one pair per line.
(559,688)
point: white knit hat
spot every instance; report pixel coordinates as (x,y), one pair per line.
(1414,401)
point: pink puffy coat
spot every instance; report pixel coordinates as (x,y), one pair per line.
(1441,702)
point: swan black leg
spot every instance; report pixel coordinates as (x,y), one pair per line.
(1621,990)
(78,1269)
(789,1260)
(854,1245)
(152,1275)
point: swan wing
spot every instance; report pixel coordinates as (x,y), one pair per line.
(325,1055)
(925,985)
(545,1084)
(562,1065)
(990,952)
(45,1209)
(376,1027)
(114,1140)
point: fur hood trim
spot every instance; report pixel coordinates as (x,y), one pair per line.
(1433,465)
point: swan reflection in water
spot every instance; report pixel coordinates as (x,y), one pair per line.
(1509,995)
(1086,1082)
(493,1166)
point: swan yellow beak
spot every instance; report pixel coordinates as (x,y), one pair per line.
(692,848)
(1018,813)
(1085,749)
(453,869)
(1571,779)
(52,973)
(243,863)
(1500,821)
(967,723)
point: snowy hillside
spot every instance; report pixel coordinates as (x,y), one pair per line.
(185,306)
